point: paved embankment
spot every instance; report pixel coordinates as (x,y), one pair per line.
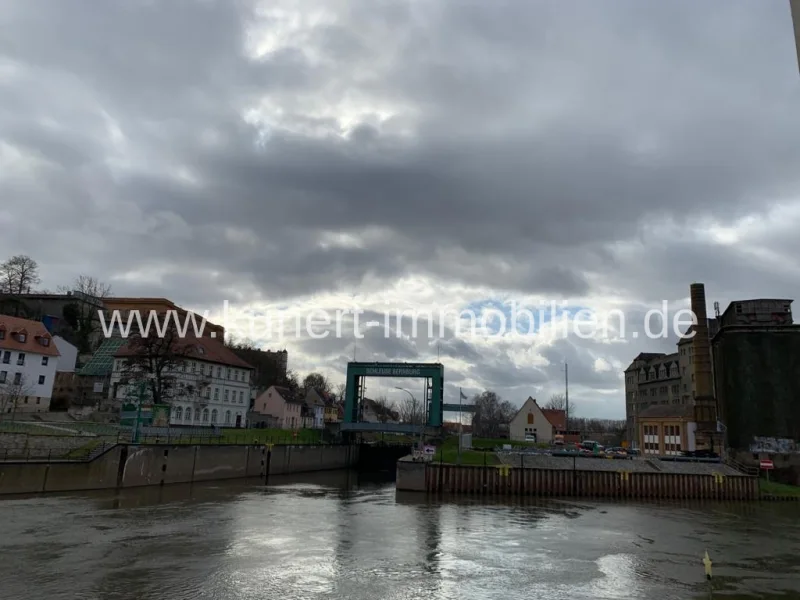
(125,466)
(636,465)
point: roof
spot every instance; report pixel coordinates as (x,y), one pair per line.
(287,394)
(34,331)
(667,411)
(102,361)
(200,348)
(557,417)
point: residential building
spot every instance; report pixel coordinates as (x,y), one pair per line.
(377,412)
(531,421)
(314,409)
(68,359)
(331,412)
(64,384)
(283,405)
(28,363)
(666,430)
(653,378)
(127,307)
(212,384)
(756,358)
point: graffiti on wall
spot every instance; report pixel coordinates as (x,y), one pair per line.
(769,445)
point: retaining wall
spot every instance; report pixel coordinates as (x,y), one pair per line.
(463,479)
(140,465)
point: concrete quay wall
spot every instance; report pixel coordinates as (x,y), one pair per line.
(505,481)
(126,466)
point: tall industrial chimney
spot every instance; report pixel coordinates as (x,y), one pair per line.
(705,405)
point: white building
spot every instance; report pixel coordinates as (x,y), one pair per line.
(28,362)
(212,385)
(68,355)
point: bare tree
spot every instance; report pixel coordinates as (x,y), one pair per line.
(492,415)
(17,275)
(316,381)
(82,314)
(410,410)
(12,392)
(341,390)
(155,361)
(385,409)
(559,402)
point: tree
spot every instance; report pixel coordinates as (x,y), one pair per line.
(82,314)
(411,411)
(559,402)
(341,390)
(17,275)
(12,391)
(155,361)
(316,381)
(492,415)
(385,409)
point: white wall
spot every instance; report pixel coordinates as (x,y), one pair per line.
(69,354)
(221,394)
(38,394)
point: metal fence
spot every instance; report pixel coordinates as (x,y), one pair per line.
(81,453)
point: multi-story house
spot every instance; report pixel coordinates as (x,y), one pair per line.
(331,412)
(315,409)
(28,363)
(652,379)
(210,385)
(283,406)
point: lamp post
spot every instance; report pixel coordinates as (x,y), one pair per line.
(414,404)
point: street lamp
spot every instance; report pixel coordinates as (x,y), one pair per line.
(414,414)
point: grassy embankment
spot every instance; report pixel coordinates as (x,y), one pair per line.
(448,451)
(773,488)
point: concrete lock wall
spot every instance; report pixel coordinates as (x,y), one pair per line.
(142,465)
(599,484)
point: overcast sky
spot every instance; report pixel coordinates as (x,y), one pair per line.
(401,154)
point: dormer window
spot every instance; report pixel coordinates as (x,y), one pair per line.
(201,350)
(21,337)
(2,334)
(44,341)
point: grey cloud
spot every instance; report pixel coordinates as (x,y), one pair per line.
(509,147)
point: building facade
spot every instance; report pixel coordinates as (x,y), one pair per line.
(282,405)
(28,364)
(666,430)
(532,422)
(652,379)
(211,385)
(756,357)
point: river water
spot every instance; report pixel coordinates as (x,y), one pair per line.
(333,536)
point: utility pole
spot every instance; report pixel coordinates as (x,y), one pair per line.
(566,395)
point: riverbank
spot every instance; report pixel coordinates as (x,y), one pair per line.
(129,465)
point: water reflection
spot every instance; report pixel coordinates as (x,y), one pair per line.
(338,535)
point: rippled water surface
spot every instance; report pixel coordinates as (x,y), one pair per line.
(331,536)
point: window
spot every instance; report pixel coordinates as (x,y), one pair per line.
(45,341)
(226,395)
(245,375)
(205,415)
(41,379)
(6,357)
(2,334)
(214,416)
(241,397)
(208,392)
(37,400)
(44,361)
(17,378)
(189,414)
(216,393)
(21,359)
(227,417)
(692,376)
(228,373)
(530,418)
(178,414)
(21,337)
(194,366)
(236,374)
(201,350)
(219,372)
(3,376)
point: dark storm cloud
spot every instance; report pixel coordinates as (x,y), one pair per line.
(507,146)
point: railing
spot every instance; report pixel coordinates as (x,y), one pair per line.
(84,453)
(735,464)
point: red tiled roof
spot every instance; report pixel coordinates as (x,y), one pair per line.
(557,418)
(34,331)
(200,348)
